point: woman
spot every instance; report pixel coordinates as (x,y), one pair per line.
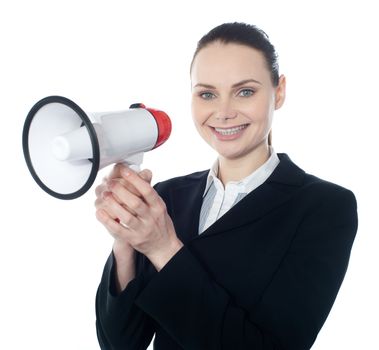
(247,255)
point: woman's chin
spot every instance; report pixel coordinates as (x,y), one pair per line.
(229,155)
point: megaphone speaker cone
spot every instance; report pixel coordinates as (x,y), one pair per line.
(47,121)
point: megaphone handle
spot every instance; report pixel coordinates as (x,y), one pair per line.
(134,167)
(134,162)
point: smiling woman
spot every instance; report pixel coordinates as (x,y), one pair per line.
(249,254)
(234,100)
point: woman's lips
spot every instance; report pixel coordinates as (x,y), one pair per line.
(231,133)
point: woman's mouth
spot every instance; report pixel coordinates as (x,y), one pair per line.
(229,133)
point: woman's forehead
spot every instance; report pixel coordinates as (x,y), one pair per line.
(220,62)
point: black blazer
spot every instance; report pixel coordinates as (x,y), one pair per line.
(263,276)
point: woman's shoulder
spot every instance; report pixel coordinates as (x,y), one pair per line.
(308,182)
(316,183)
(307,189)
(317,192)
(313,192)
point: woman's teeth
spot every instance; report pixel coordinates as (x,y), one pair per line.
(231,131)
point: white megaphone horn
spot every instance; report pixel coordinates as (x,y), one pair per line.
(64,148)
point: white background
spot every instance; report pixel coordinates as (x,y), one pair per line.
(107,55)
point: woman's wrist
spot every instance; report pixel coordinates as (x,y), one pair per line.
(122,250)
(124,255)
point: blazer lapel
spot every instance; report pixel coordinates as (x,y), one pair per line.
(186,205)
(276,190)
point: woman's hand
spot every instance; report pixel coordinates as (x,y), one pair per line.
(123,252)
(144,222)
(101,192)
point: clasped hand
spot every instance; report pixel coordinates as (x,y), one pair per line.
(135,215)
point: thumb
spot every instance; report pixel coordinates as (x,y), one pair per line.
(146,175)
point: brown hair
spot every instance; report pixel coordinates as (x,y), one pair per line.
(245,34)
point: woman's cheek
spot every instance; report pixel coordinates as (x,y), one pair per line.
(199,114)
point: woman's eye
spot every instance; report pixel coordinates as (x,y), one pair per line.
(246,93)
(206,95)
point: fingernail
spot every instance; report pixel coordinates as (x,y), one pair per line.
(125,172)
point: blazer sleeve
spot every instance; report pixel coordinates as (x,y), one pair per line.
(120,324)
(200,314)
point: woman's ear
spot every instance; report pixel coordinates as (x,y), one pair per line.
(280,93)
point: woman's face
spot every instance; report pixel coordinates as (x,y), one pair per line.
(233,98)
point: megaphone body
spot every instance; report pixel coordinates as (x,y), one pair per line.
(65,148)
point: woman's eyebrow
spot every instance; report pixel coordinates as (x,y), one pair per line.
(242,82)
(207,86)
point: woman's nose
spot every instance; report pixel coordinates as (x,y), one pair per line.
(226,111)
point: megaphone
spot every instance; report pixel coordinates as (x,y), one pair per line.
(64,148)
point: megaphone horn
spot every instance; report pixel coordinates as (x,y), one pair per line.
(64,148)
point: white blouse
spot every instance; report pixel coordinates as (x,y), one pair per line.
(217,200)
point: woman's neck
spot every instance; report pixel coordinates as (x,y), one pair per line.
(238,168)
